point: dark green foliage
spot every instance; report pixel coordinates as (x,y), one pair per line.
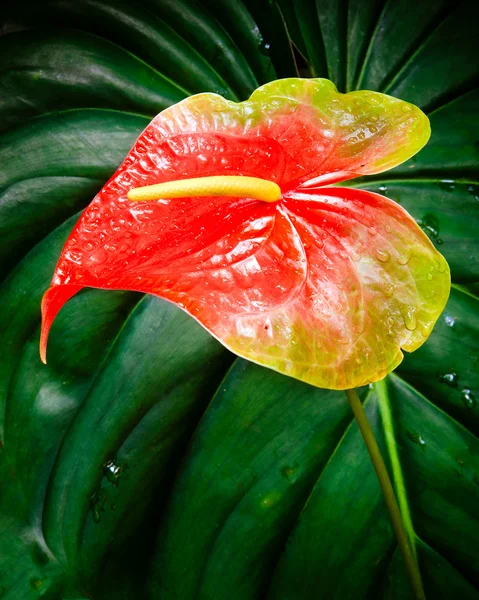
(145,462)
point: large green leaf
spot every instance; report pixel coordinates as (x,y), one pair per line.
(144,462)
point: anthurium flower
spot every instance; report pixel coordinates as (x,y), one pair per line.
(326,284)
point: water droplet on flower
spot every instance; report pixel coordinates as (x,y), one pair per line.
(141,147)
(425,328)
(403,259)
(389,290)
(355,255)
(388,228)
(382,255)
(409,318)
(451,379)
(114,226)
(73,256)
(361,135)
(468,399)
(372,231)
(441,266)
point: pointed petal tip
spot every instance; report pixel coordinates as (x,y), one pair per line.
(43,348)
(45,330)
(52,302)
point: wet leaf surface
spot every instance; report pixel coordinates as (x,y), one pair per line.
(138,465)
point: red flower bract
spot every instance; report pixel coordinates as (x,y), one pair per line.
(326,285)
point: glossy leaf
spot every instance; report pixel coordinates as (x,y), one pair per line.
(255,421)
(53,68)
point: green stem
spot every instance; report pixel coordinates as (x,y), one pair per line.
(388,493)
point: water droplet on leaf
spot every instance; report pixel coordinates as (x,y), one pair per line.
(39,555)
(288,472)
(113,472)
(474,191)
(430,225)
(451,379)
(98,504)
(36,584)
(450,321)
(417,439)
(447,184)
(265,48)
(469,399)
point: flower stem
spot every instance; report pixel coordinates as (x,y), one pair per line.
(412,568)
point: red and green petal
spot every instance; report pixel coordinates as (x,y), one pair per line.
(326,285)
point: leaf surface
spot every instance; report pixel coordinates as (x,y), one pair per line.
(252,434)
